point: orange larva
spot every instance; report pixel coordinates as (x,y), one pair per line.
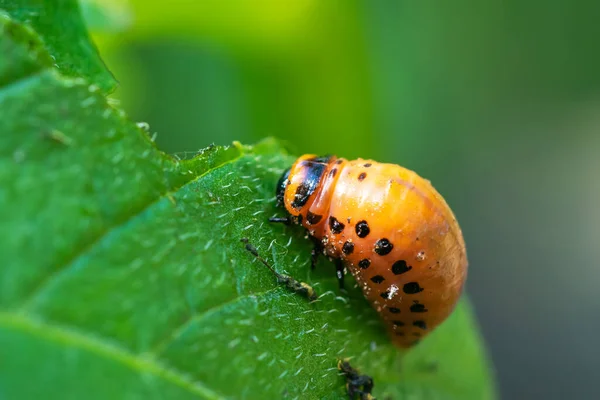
(390,228)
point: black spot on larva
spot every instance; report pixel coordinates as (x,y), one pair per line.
(303,192)
(362,229)
(418,308)
(398,323)
(362,176)
(377,279)
(335,225)
(399,333)
(313,218)
(400,267)
(364,263)
(367,165)
(412,288)
(383,247)
(420,324)
(348,247)
(332,172)
(385,295)
(394,310)
(339,161)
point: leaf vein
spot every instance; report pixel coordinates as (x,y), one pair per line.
(100,346)
(179,329)
(61,270)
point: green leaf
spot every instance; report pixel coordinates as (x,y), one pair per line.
(124,277)
(61,29)
(112,16)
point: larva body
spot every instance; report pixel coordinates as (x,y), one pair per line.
(391,229)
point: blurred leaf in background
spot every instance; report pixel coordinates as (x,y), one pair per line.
(294,70)
(109,16)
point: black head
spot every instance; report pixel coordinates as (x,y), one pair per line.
(303,178)
(281,185)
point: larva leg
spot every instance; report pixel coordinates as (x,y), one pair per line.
(339,272)
(316,251)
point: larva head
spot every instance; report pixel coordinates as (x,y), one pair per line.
(299,184)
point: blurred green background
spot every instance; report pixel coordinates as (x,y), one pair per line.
(496,102)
